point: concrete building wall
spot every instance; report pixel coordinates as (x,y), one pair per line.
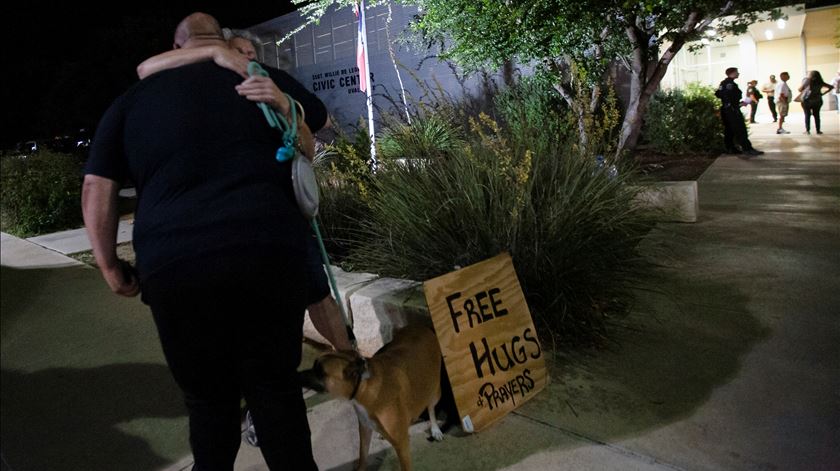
(775,57)
(323,58)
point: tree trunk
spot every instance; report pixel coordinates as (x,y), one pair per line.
(632,124)
(580,111)
(631,127)
(507,73)
(642,85)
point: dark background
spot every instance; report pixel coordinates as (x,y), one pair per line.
(65,62)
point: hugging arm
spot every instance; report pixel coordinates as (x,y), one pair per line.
(223,56)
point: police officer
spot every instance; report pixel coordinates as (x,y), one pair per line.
(734,129)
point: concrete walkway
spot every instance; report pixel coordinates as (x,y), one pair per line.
(734,365)
(76,240)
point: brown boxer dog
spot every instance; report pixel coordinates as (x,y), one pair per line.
(389,390)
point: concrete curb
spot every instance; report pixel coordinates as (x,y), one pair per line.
(23,254)
(377,307)
(76,240)
(674,201)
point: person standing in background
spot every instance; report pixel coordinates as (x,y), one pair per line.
(812,92)
(755,96)
(769,90)
(783,99)
(734,130)
(836,84)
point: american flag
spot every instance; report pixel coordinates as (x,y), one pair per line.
(360,46)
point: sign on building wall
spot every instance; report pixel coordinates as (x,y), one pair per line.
(488,340)
(345,79)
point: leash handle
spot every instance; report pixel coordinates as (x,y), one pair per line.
(289,130)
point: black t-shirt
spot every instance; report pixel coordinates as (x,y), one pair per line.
(729,93)
(203,161)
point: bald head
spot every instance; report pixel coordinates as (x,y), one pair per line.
(196,30)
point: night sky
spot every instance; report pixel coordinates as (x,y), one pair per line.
(64,63)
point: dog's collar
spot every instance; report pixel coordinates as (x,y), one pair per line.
(363,374)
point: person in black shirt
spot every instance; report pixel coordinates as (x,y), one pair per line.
(323,310)
(812,93)
(734,129)
(219,243)
(755,96)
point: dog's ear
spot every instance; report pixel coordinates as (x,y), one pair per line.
(356,369)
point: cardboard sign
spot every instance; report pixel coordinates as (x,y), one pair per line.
(489,344)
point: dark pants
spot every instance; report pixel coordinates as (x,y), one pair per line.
(734,129)
(771,102)
(753,109)
(231,326)
(812,108)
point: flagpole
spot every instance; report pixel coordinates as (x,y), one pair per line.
(368,88)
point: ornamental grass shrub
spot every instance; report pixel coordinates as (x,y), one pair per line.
(344,181)
(572,229)
(40,193)
(682,121)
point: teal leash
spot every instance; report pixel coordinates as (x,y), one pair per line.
(289,130)
(331,277)
(286,153)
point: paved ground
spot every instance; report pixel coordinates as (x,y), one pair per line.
(734,365)
(76,240)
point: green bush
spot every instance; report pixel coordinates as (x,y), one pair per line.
(344,181)
(40,193)
(534,111)
(684,121)
(428,136)
(572,230)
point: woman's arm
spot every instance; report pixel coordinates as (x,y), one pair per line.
(805,84)
(221,55)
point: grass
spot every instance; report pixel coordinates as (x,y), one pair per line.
(125,251)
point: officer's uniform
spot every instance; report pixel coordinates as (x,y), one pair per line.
(734,129)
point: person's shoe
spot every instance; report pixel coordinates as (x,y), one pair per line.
(819,132)
(733,151)
(808,132)
(775,120)
(753,152)
(753,122)
(782,131)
